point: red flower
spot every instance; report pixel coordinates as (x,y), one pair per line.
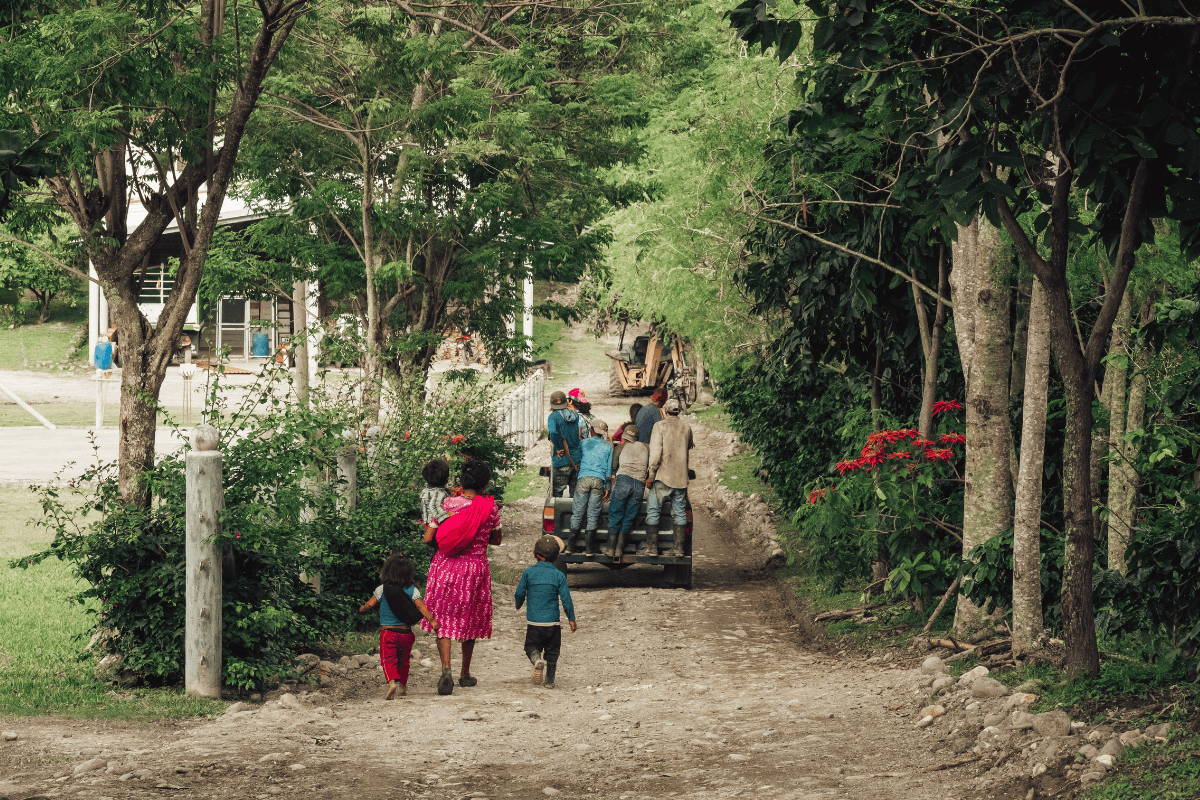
(457,438)
(408,434)
(815,495)
(899,454)
(952,438)
(237,535)
(946,405)
(923,443)
(939,454)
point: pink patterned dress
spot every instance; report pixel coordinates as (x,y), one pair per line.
(458,590)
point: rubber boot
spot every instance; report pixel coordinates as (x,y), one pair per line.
(679,534)
(589,544)
(618,545)
(569,541)
(649,545)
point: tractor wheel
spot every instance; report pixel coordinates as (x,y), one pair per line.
(615,387)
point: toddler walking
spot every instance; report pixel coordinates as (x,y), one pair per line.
(400,607)
(543,585)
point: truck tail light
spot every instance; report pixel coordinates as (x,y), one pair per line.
(548,519)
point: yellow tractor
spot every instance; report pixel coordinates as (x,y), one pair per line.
(649,362)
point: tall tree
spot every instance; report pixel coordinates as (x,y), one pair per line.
(141,103)
(457,149)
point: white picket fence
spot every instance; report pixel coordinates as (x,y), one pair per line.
(522,412)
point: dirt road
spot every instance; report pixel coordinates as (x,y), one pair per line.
(661,693)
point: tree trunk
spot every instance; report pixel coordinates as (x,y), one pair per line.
(931,347)
(1124,478)
(300,339)
(140,385)
(1027,509)
(1117,369)
(982,303)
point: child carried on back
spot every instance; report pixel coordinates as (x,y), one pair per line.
(400,607)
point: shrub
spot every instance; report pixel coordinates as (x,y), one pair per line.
(284,517)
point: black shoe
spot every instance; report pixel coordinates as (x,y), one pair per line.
(445,683)
(649,545)
(468,680)
(589,546)
(677,543)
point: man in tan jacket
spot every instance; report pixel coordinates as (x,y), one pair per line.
(670,443)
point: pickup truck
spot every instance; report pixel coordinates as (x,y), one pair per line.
(556,519)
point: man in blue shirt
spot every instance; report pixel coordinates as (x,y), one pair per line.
(592,487)
(544,585)
(563,429)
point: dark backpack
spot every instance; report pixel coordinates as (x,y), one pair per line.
(401,604)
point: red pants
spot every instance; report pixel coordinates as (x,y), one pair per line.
(394,651)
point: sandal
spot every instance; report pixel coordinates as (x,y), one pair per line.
(445,683)
(468,680)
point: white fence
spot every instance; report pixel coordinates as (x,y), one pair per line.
(522,411)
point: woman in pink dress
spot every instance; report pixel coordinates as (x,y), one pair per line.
(458,590)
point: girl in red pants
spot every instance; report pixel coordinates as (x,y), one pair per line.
(400,607)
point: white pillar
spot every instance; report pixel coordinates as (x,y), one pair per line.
(205,499)
(97,315)
(527,319)
(313,296)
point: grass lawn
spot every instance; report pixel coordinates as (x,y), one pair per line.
(568,356)
(44,631)
(74,415)
(50,345)
(525,482)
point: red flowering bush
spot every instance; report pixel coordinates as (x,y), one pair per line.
(899,500)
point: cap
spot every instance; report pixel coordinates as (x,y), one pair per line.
(600,427)
(629,433)
(576,393)
(558,400)
(672,406)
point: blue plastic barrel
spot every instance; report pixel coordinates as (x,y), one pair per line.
(103,355)
(260,345)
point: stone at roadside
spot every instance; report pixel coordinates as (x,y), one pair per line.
(1107,759)
(365,659)
(236,708)
(1038,769)
(942,683)
(961,745)
(472,716)
(1031,685)
(349,662)
(932,711)
(1052,723)
(985,688)
(9,736)
(1020,721)
(91,765)
(1089,751)
(995,719)
(1159,732)
(933,666)
(738,757)
(550,791)
(307,662)
(297,767)
(109,667)
(925,722)
(971,675)
(1090,777)
(326,666)
(1113,747)
(1020,699)
(289,701)
(425,662)
(271,758)
(1132,738)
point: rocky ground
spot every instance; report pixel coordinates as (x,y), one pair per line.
(719,692)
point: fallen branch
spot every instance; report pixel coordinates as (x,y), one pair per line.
(953,764)
(846,613)
(950,644)
(941,604)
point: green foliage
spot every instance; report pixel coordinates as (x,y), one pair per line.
(1168,771)
(284,517)
(989,574)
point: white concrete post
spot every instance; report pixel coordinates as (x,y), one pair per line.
(205,499)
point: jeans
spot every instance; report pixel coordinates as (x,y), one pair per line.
(589,500)
(623,507)
(563,479)
(660,495)
(544,641)
(394,651)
